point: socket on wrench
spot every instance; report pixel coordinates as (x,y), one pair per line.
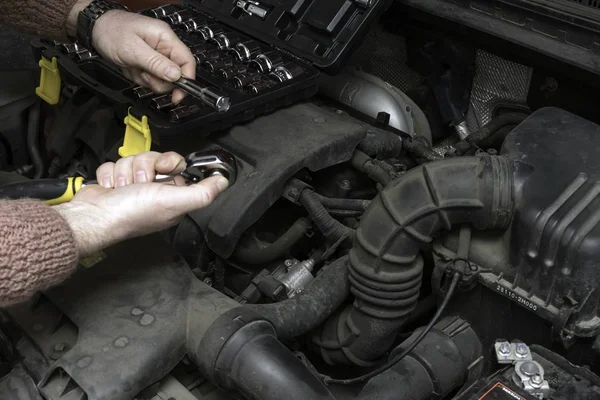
(203,165)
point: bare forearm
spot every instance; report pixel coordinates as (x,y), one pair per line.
(91,230)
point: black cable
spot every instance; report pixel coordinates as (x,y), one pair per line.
(410,348)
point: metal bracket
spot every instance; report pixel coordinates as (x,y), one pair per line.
(293,189)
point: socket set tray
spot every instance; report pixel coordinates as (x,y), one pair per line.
(252,58)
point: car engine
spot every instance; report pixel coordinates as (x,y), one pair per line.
(426,227)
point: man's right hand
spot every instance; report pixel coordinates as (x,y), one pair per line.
(127,203)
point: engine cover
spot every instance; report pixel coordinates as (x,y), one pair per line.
(552,265)
(270,150)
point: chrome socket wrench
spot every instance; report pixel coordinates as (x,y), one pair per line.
(85,55)
(286,72)
(194,24)
(224,41)
(202,165)
(219,63)
(208,96)
(266,62)
(243,80)
(259,86)
(205,55)
(143,92)
(179,17)
(245,51)
(179,113)
(71,48)
(162,103)
(163,11)
(209,31)
(229,72)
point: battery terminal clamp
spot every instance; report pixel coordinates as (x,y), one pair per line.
(528,374)
(50,81)
(138,137)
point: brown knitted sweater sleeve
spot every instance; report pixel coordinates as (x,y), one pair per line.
(45,18)
(37,249)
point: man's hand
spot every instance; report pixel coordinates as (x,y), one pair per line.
(147,49)
(127,204)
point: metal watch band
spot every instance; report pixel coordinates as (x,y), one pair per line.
(88,16)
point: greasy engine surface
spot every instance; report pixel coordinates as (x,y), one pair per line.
(426,227)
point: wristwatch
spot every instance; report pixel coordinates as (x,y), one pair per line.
(88,17)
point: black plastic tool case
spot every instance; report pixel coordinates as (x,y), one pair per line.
(303,36)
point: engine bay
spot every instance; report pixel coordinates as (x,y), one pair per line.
(425,227)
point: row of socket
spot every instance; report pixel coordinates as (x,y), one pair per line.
(75,50)
(164,103)
(237,60)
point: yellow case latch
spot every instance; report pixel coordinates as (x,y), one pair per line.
(50,82)
(138,138)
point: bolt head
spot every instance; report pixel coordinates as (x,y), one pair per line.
(537,379)
(208,281)
(289,263)
(521,349)
(530,368)
(59,347)
(504,349)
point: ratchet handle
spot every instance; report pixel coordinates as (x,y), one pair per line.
(51,191)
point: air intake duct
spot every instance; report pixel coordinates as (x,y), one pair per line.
(385,265)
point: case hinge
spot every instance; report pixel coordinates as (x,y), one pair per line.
(138,138)
(50,82)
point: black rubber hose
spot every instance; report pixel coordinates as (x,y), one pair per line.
(250,253)
(33,139)
(317,302)
(366,165)
(344,204)
(332,229)
(385,265)
(498,123)
(420,149)
(381,144)
(239,351)
(264,369)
